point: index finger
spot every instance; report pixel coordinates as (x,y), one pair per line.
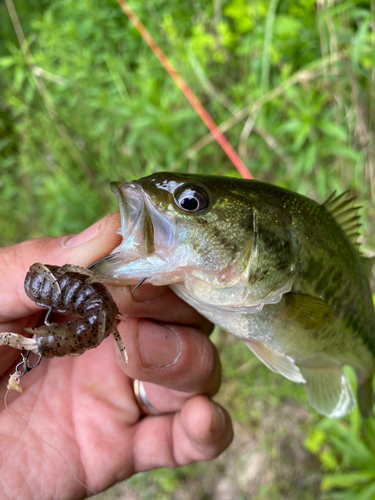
(158,303)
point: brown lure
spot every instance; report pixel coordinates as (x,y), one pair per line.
(69,290)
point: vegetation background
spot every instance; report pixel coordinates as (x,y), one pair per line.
(85,102)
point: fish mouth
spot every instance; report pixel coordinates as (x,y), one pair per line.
(136,224)
(148,236)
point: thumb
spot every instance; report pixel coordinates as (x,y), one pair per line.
(82,249)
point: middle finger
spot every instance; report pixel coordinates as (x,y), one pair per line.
(173,356)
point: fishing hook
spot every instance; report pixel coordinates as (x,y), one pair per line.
(46,322)
(25,364)
(139,284)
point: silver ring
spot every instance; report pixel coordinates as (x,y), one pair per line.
(141,398)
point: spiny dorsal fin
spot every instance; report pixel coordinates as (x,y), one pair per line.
(345,213)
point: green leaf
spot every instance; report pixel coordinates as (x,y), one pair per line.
(7,62)
(367,493)
(19,76)
(360,39)
(314,441)
(287,26)
(343,151)
(290,126)
(347,480)
(333,130)
(301,136)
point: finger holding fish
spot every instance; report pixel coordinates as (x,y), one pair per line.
(159,303)
(180,359)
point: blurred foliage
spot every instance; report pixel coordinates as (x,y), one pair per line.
(105,109)
(85,102)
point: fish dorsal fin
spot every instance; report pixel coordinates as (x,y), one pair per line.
(327,387)
(344,211)
(275,361)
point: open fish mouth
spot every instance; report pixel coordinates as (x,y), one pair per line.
(136,225)
(145,229)
(148,239)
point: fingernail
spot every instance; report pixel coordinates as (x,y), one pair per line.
(218,418)
(160,345)
(86,235)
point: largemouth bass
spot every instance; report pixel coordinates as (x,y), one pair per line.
(270,266)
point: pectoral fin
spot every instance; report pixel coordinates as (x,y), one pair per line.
(275,361)
(308,312)
(327,387)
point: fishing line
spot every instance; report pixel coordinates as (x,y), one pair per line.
(19,422)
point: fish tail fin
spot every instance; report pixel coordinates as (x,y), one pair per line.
(365,396)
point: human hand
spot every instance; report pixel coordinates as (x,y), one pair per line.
(84,406)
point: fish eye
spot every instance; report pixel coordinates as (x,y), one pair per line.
(191,199)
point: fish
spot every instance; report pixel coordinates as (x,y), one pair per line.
(268,265)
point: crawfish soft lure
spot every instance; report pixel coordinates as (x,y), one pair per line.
(69,290)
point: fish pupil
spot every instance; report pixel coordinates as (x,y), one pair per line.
(189,203)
